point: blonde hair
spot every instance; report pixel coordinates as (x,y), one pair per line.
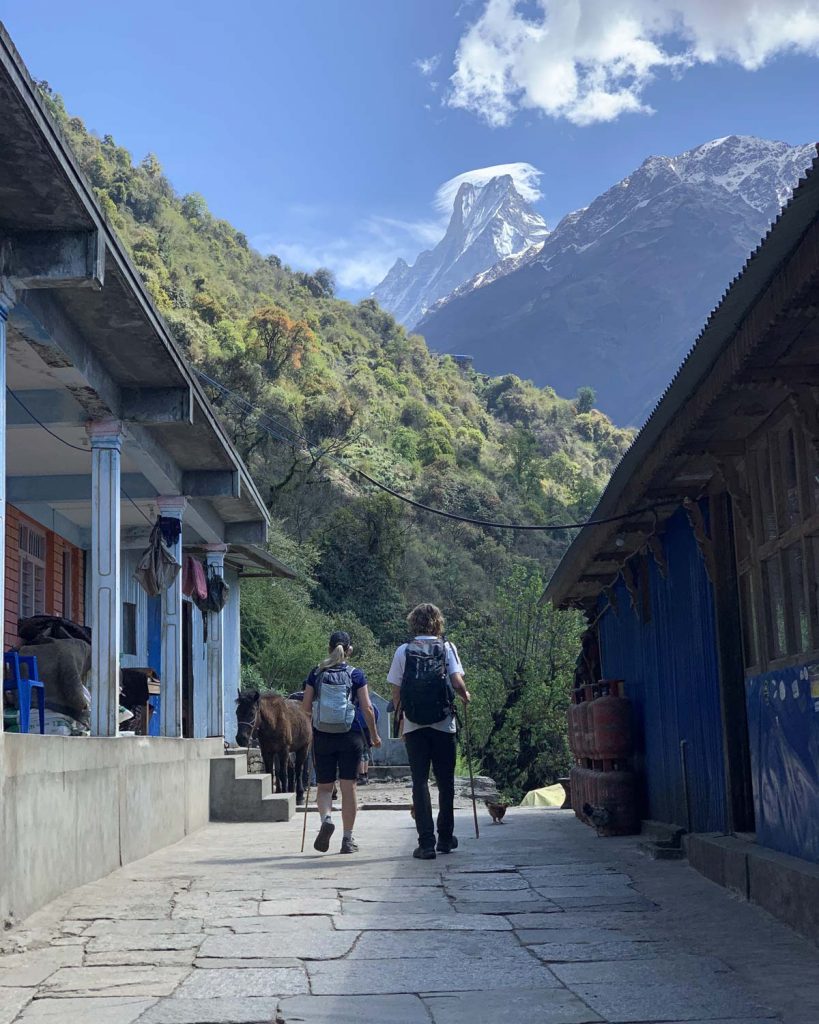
(337,656)
(426,620)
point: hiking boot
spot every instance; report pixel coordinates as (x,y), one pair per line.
(322,840)
(349,846)
(447,845)
(424,853)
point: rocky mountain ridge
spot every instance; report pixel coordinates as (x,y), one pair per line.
(615,295)
(489,224)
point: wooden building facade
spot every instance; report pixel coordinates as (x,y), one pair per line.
(704,590)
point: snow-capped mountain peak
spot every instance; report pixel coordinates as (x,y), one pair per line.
(490,222)
(615,294)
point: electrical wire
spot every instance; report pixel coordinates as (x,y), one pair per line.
(284,433)
(62,440)
(76,447)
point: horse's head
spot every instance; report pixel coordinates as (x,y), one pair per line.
(247,711)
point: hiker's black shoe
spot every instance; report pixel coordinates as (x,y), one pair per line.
(322,840)
(424,853)
(447,845)
(349,846)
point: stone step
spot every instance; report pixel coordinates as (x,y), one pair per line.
(660,851)
(237,796)
(662,834)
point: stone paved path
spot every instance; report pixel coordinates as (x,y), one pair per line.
(539,922)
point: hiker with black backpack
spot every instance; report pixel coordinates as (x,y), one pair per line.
(425,675)
(332,692)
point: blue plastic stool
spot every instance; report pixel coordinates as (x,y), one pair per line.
(12,662)
(153,725)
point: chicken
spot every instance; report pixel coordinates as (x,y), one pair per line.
(496,811)
(600,817)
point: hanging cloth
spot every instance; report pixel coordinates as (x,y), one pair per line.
(194,582)
(216,594)
(171,529)
(157,568)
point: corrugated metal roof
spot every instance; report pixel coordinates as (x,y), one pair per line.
(783,237)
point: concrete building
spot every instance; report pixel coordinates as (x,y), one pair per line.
(702,582)
(103,425)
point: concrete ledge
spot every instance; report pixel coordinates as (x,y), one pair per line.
(723,859)
(73,809)
(785,886)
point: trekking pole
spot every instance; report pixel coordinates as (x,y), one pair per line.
(471,777)
(306,807)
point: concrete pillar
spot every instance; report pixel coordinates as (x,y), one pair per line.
(215,560)
(170,705)
(106,604)
(6,302)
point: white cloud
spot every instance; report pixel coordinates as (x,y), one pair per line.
(428,65)
(361,258)
(525,177)
(591,60)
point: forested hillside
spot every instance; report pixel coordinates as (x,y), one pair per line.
(365,394)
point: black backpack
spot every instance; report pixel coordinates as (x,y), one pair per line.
(427,695)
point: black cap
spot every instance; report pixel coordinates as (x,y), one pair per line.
(340,637)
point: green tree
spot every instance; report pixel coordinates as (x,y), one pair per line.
(526,464)
(585,400)
(526,653)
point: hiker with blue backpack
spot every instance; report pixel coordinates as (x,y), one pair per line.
(333,692)
(425,675)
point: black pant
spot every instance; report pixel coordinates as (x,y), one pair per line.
(427,747)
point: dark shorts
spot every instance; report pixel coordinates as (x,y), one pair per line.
(337,755)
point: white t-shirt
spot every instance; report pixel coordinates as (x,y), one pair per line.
(395,677)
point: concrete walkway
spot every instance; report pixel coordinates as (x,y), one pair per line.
(539,921)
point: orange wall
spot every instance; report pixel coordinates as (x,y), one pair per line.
(55,546)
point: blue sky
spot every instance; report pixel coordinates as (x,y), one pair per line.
(323,128)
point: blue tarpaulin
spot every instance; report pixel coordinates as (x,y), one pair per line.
(669,664)
(783,720)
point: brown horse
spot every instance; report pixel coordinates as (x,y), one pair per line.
(281,727)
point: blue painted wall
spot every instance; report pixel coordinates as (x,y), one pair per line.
(671,673)
(783,721)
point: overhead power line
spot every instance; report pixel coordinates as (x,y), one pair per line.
(68,444)
(282,432)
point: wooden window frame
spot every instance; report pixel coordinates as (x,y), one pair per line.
(27,557)
(68,583)
(763,548)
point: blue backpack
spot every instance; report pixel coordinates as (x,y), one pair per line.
(333,708)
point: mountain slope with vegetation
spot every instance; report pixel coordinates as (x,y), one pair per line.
(317,385)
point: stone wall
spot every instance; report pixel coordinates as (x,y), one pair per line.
(392,751)
(73,809)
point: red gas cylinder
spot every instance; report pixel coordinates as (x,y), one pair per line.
(611,725)
(586,720)
(579,777)
(574,780)
(575,730)
(581,719)
(616,796)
